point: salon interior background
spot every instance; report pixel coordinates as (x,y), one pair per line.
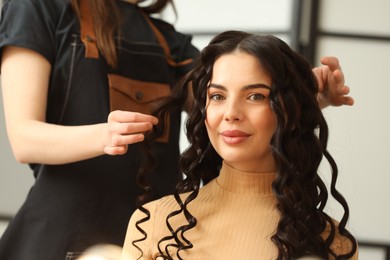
(356,31)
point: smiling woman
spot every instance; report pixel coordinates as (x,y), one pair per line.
(257,136)
(240,122)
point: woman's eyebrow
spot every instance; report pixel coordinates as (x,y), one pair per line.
(246,87)
(218,86)
(256,85)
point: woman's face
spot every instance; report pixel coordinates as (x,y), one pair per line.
(239,119)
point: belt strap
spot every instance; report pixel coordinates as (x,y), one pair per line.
(87,31)
(163,43)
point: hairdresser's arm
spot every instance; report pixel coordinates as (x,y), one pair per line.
(332,88)
(25,78)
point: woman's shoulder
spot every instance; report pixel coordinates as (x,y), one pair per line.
(169,203)
(166,203)
(162,202)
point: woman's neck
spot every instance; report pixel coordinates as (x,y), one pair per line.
(240,182)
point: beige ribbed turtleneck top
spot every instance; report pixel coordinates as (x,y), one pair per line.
(236,215)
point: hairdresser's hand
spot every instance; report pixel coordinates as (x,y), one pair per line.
(332,88)
(126,128)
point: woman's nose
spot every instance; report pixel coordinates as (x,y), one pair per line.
(233,112)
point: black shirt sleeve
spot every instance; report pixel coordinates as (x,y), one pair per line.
(180,45)
(30,24)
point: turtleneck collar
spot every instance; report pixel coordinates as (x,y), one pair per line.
(240,182)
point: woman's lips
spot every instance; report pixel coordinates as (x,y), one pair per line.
(234,136)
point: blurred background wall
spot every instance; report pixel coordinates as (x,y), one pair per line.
(358,33)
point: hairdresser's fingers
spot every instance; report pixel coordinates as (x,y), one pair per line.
(115,150)
(116,128)
(124,128)
(347,100)
(331,61)
(120,143)
(128,116)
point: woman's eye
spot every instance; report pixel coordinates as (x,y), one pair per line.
(256,96)
(217,97)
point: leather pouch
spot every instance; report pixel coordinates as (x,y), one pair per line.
(138,96)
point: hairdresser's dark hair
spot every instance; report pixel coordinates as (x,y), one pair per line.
(107,19)
(298,146)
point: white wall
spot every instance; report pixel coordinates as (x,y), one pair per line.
(359,135)
(219,15)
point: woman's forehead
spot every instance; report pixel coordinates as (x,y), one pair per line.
(239,68)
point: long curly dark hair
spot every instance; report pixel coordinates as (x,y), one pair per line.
(298,146)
